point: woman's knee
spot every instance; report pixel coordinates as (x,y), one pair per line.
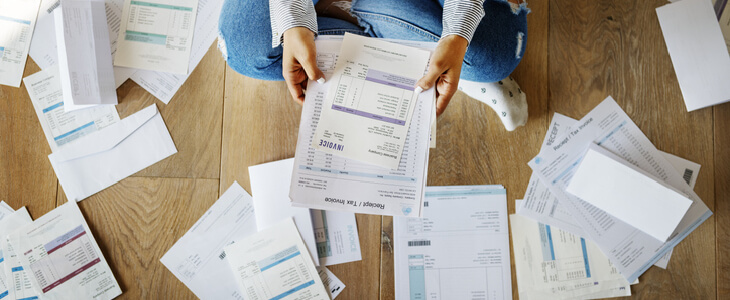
(498,44)
(244,42)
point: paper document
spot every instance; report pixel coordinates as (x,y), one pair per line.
(628,193)
(62,258)
(690,28)
(275,264)
(156,35)
(337,238)
(629,249)
(555,264)
(102,158)
(367,110)
(334,285)
(59,126)
(5,210)
(17,20)
(44,49)
(164,85)
(84,54)
(17,278)
(438,258)
(326,181)
(197,258)
(270,201)
(723,16)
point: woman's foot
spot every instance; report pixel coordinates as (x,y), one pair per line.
(505,97)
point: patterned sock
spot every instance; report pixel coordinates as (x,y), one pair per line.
(505,97)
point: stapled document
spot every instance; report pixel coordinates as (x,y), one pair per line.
(17,21)
(84,54)
(156,35)
(62,127)
(370,101)
(103,158)
(274,264)
(628,193)
(197,258)
(62,257)
(698,51)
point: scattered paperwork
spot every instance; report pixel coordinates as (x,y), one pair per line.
(16,277)
(458,250)
(103,158)
(17,21)
(370,100)
(274,263)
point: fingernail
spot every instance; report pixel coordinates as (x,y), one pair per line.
(321,80)
(418,90)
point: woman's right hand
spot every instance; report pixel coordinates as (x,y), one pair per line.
(300,61)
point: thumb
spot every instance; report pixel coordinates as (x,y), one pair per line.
(310,67)
(429,80)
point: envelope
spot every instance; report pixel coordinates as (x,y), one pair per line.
(628,193)
(103,158)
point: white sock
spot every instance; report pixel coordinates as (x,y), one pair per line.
(505,97)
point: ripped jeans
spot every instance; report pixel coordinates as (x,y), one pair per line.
(494,52)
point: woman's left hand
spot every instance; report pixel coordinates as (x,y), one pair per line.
(445,69)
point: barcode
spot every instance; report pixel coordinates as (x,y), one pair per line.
(425,204)
(53,6)
(687,175)
(222,255)
(419,243)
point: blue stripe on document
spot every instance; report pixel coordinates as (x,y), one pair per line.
(73,131)
(585,257)
(30,298)
(550,238)
(279,261)
(5,293)
(292,291)
(52,107)
(16,269)
(26,22)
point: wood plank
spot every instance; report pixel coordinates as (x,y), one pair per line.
(137,220)
(194,118)
(606,47)
(26,176)
(722,194)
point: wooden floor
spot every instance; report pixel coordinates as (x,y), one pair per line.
(578,52)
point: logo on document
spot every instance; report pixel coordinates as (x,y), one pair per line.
(538,160)
(406,210)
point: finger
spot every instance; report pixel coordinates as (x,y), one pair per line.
(310,67)
(446,91)
(429,80)
(295,87)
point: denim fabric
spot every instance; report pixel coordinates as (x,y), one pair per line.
(494,52)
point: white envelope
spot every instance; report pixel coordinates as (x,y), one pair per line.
(103,158)
(628,193)
(270,191)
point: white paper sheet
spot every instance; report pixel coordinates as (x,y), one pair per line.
(197,258)
(17,20)
(334,285)
(698,51)
(326,181)
(156,35)
(336,235)
(62,258)
(62,128)
(274,264)
(608,126)
(370,101)
(438,257)
(5,210)
(44,49)
(17,278)
(84,54)
(555,264)
(723,16)
(624,191)
(268,186)
(103,158)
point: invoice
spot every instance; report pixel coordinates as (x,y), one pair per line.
(437,257)
(326,181)
(19,284)
(156,35)
(367,110)
(17,20)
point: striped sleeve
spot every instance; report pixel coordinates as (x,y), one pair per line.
(287,14)
(461,17)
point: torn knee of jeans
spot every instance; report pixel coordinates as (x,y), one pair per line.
(517,6)
(222,46)
(520,40)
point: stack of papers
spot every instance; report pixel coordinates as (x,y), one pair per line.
(53,257)
(610,134)
(222,256)
(326,181)
(17,20)
(458,250)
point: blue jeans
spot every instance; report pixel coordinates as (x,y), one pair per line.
(494,52)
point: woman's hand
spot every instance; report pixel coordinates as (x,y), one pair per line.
(300,61)
(445,69)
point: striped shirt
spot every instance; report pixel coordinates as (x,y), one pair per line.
(461,17)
